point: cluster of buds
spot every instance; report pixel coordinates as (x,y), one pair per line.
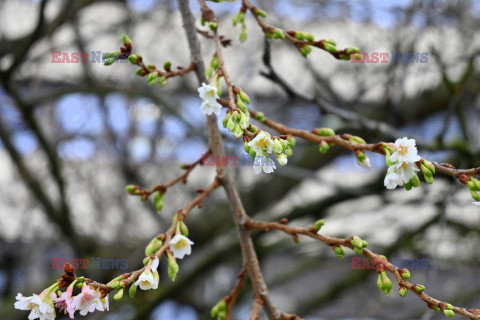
(274,33)
(110,58)
(474,186)
(428,170)
(237,121)
(339,251)
(211,68)
(358,244)
(383,282)
(323,147)
(283,148)
(219,311)
(158,199)
(240,19)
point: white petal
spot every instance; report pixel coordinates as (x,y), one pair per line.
(154,264)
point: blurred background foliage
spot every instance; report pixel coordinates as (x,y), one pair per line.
(74,134)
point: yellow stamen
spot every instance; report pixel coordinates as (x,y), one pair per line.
(262,143)
(403,150)
(180,244)
(404,166)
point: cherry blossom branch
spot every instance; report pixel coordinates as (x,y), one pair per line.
(145,193)
(343,141)
(303,41)
(377,259)
(257,307)
(129,278)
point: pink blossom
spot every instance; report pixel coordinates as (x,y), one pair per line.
(66,302)
(88,300)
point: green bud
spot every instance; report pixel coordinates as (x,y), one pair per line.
(282,159)
(244,97)
(260,13)
(356,242)
(140,72)
(243,34)
(246,147)
(158,200)
(214,62)
(449,307)
(324,132)
(183,228)
(364,244)
(213,26)
(153,246)
(353,50)
(323,147)
(109,62)
(132,58)
(244,122)
(146,261)
(221,306)
(402,291)
(173,267)
(449,313)
(277,146)
(435,308)
(162,81)
(131,189)
(357,56)
(231,124)
(405,274)
(288,152)
(415,181)
(208,72)
(357,140)
(330,48)
(408,186)
(419,288)
(384,283)
(278,34)
(238,132)
(126,39)
(260,116)
(132,290)
(474,184)
(225,119)
(330,42)
(118,295)
(339,251)
(475,195)
(152,76)
(167,65)
(318,225)
(292,141)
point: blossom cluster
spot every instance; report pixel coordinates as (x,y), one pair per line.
(402,166)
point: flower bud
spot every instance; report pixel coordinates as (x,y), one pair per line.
(356,242)
(140,72)
(323,147)
(339,251)
(244,122)
(330,48)
(152,76)
(162,81)
(146,261)
(221,306)
(419,288)
(158,200)
(324,132)
(475,195)
(408,186)
(405,274)
(244,97)
(330,42)
(353,50)
(246,147)
(277,146)
(208,72)
(449,313)
(131,189)
(118,295)
(132,58)
(213,26)
(238,132)
(278,34)
(282,159)
(153,246)
(384,283)
(292,141)
(167,66)
(231,124)
(132,290)
(219,89)
(260,116)
(415,181)
(288,152)
(357,140)
(473,184)
(225,119)
(183,228)
(126,40)
(260,13)
(173,267)
(402,291)
(362,159)
(318,225)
